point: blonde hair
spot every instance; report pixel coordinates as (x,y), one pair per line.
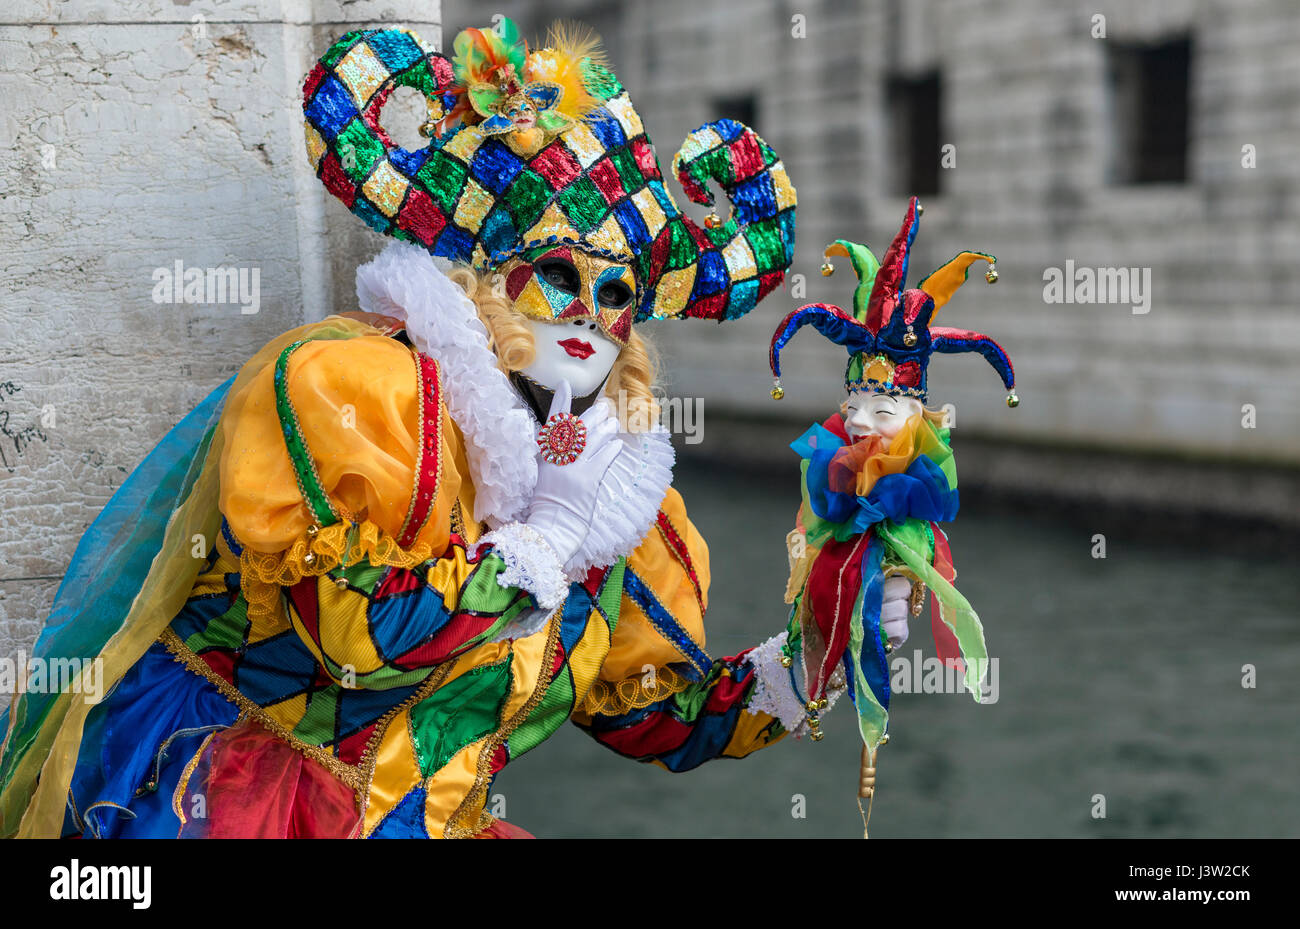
(631,380)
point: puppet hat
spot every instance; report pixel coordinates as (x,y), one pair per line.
(888,334)
(535,147)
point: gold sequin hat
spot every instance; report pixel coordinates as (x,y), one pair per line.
(539,147)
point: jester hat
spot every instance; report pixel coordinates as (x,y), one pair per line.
(542,147)
(888,334)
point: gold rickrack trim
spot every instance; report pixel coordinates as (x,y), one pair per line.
(357,776)
(349,774)
(452,830)
(263,574)
(370,756)
(614,699)
(183,783)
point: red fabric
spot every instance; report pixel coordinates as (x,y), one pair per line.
(656,734)
(833,584)
(945,641)
(251,784)
(835,424)
(726,693)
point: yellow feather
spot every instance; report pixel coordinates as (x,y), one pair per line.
(576,41)
(568,44)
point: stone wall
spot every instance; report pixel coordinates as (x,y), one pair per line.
(141,133)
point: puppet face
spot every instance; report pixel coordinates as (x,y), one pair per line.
(576,350)
(878,414)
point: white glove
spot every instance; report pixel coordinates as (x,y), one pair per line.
(895,609)
(565,495)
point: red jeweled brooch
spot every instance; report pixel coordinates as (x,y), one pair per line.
(562,438)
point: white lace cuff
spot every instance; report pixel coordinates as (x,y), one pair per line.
(775,686)
(531,563)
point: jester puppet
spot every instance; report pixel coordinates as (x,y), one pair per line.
(878,479)
(404,546)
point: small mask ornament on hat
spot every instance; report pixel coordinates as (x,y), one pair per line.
(524,100)
(888,336)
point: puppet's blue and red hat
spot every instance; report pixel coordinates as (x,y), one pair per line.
(888,334)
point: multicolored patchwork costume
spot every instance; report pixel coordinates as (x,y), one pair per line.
(314,602)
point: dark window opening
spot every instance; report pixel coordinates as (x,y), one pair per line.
(743,109)
(1149,85)
(914,106)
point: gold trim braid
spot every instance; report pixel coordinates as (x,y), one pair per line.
(357,776)
(454,829)
(614,698)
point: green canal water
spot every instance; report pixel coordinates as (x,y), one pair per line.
(1118,678)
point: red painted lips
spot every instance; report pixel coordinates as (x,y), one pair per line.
(577,348)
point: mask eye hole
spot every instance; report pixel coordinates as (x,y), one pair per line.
(560,274)
(614,295)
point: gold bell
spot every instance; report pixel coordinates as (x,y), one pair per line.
(909,338)
(1012,400)
(312,530)
(884,740)
(309,559)
(786,661)
(712,221)
(817,735)
(777,390)
(812,706)
(991,275)
(341,583)
(920,209)
(827,269)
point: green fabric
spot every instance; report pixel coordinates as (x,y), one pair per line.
(317,725)
(227,630)
(459,713)
(865,267)
(610,598)
(872,717)
(955,610)
(555,707)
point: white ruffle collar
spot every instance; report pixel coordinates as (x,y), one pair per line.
(500,431)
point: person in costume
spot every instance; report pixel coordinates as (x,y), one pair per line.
(402,547)
(878,479)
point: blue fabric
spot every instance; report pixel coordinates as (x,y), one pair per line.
(147,729)
(404,821)
(830,321)
(113,559)
(666,623)
(920,492)
(873,660)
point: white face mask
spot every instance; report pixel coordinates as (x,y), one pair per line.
(576,351)
(878,414)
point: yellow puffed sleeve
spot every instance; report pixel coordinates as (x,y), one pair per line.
(366,408)
(661,619)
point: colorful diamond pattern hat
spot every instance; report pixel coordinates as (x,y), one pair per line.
(539,147)
(888,334)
